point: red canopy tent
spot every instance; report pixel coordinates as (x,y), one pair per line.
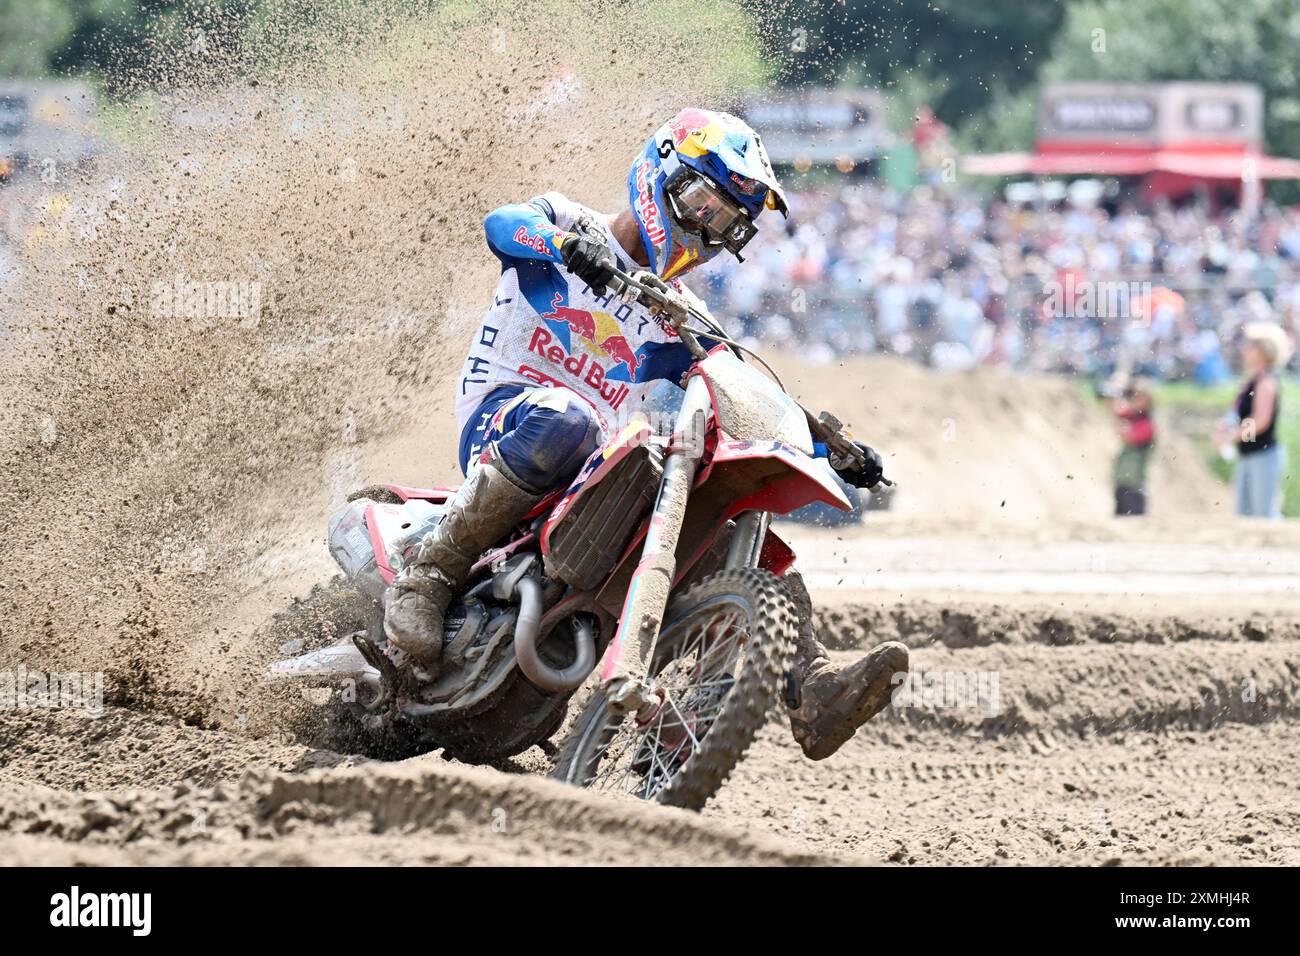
(1110,159)
(1177,136)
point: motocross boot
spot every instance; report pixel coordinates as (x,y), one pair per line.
(827,703)
(490,502)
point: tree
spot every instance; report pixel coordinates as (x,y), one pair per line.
(964,51)
(30,33)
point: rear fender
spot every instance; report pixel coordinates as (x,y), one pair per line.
(436,495)
(441,495)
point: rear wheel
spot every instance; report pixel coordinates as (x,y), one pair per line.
(717,667)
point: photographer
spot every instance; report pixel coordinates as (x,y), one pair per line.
(1132,405)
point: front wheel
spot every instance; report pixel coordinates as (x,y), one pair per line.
(717,667)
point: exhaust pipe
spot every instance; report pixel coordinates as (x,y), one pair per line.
(542,674)
(513,578)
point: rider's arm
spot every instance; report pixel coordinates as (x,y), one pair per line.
(526,230)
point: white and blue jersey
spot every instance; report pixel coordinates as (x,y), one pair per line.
(547,328)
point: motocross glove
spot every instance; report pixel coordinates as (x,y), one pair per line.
(586,255)
(868,474)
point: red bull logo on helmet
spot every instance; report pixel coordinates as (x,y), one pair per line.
(647,209)
(687,122)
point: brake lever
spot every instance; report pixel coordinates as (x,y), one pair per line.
(831,432)
(650,291)
(647,289)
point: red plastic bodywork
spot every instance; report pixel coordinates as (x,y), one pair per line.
(806,483)
(595,468)
(776,556)
(421,494)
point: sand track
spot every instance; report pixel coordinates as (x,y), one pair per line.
(921,623)
(929,797)
(1116,739)
(421,811)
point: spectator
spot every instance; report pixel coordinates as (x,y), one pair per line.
(1261,459)
(1137,433)
(953,281)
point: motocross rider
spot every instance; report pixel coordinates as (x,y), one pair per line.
(558,359)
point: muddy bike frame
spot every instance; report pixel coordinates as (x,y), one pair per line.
(647,595)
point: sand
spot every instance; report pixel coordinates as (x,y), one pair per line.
(1109,739)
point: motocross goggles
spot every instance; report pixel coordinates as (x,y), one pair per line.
(703,207)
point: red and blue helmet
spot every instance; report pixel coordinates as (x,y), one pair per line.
(697,188)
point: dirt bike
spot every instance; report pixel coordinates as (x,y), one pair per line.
(655,570)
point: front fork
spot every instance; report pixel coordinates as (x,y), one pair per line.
(747,540)
(647,594)
(633,646)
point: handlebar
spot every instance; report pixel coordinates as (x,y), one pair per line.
(649,290)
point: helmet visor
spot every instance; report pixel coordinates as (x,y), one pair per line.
(703,207)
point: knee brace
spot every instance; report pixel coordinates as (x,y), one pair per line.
(548,445)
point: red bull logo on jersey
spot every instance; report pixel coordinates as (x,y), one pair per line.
(616,347)
(581,322)
(600,334)
(582,366)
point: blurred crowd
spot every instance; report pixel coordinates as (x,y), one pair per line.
(955,280)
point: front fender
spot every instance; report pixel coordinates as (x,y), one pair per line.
(802,481)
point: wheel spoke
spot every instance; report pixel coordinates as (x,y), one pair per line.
(694,681)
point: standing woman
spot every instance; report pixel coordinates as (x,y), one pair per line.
(1262,459)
